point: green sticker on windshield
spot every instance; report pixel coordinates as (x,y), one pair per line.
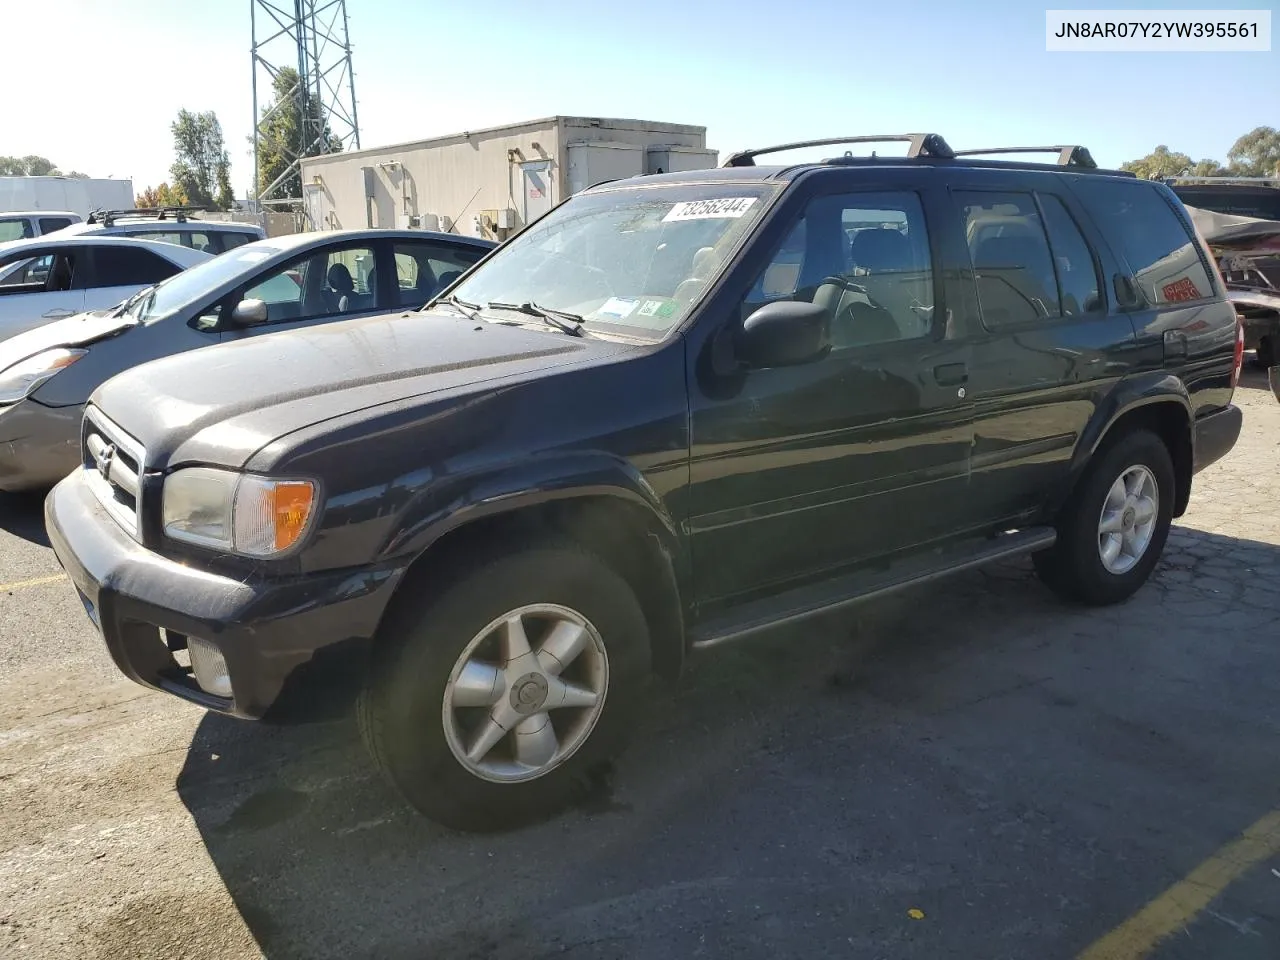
(657,308)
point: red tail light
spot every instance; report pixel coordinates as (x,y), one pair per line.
(1239,358)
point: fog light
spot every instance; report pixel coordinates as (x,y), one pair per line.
(209,667)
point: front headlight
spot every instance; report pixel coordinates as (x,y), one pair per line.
(23,377)
(241,513)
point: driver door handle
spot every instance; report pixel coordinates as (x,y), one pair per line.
(57,314)
(951,374)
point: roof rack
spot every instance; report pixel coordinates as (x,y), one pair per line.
(108,217)
(1069,155)
(922,145)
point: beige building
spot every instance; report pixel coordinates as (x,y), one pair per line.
(491,182)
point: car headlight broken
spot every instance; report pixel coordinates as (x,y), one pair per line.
(240,513)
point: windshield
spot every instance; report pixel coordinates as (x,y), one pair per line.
(197,283)
(633,259)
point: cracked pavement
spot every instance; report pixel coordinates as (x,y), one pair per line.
(968,770)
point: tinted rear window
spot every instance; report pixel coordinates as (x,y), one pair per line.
(1143,228)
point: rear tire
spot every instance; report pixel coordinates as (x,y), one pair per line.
(428,709)
(1114,527)
(1266,353)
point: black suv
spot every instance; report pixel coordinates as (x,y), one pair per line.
(675,411)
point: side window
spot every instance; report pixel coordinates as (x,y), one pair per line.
(862,256)
(126,267)
(328,283)
(158,236)
(1077,274)
(200,241)
(230,240)
(50,224)
(1012,265)
(1153,240)
(33,272)
(15,228)
(423,269)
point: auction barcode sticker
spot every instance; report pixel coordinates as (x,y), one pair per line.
(1167,31)
(724,208)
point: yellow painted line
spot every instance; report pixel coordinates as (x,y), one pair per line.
(1179,905)
(19,584)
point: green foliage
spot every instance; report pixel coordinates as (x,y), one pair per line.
(1256,154)
(162,196)
(201,167)
(286,137)
(33,166)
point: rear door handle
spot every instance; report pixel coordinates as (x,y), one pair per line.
(951,374)
(57,314)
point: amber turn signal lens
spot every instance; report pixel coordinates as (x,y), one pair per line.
(291,508)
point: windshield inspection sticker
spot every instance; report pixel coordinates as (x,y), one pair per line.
(618,307)
(726,208)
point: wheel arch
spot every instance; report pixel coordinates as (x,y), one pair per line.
(610,510)
(1161,405)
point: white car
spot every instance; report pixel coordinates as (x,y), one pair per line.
(168,225)
(25,224)
(56,276)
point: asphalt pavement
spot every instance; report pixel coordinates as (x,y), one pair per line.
(972,770)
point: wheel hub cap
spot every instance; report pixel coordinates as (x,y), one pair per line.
(526,693)
(1128,521)
(529,693)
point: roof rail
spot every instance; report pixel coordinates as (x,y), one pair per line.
(922,145)
(1069,155)
(108,217)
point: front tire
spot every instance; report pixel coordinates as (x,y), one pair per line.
(1113,529)
(495,702)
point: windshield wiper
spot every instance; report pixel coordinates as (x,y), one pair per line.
(469,310)
(562,320)
(123,306)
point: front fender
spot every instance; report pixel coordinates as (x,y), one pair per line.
(532,482)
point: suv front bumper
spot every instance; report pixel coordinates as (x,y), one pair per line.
(268,631)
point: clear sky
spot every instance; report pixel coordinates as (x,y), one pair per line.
(94,84)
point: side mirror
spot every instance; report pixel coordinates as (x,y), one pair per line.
(249,313)
(786,333)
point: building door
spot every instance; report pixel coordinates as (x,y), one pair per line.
(536,176)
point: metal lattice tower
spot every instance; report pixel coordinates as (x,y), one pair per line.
(309,36)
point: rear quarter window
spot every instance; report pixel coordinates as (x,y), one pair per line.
(1143,228)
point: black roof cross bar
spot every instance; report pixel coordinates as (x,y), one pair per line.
(1069,155)
(922,145)
(108,217)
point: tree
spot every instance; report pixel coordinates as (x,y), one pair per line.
(201,168)
(1207,168)
(1256,154)
(285,137)
(33,166)
(162,196)
(1160,162)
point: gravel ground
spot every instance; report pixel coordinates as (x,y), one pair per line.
(971,770)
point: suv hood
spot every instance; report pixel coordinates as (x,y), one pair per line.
(222,404)
(74,331)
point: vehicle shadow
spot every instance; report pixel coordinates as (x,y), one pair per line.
(22,514)
(1019,770)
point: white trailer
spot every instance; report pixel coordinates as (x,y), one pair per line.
(73,194)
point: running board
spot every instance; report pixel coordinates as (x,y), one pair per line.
(802,602)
